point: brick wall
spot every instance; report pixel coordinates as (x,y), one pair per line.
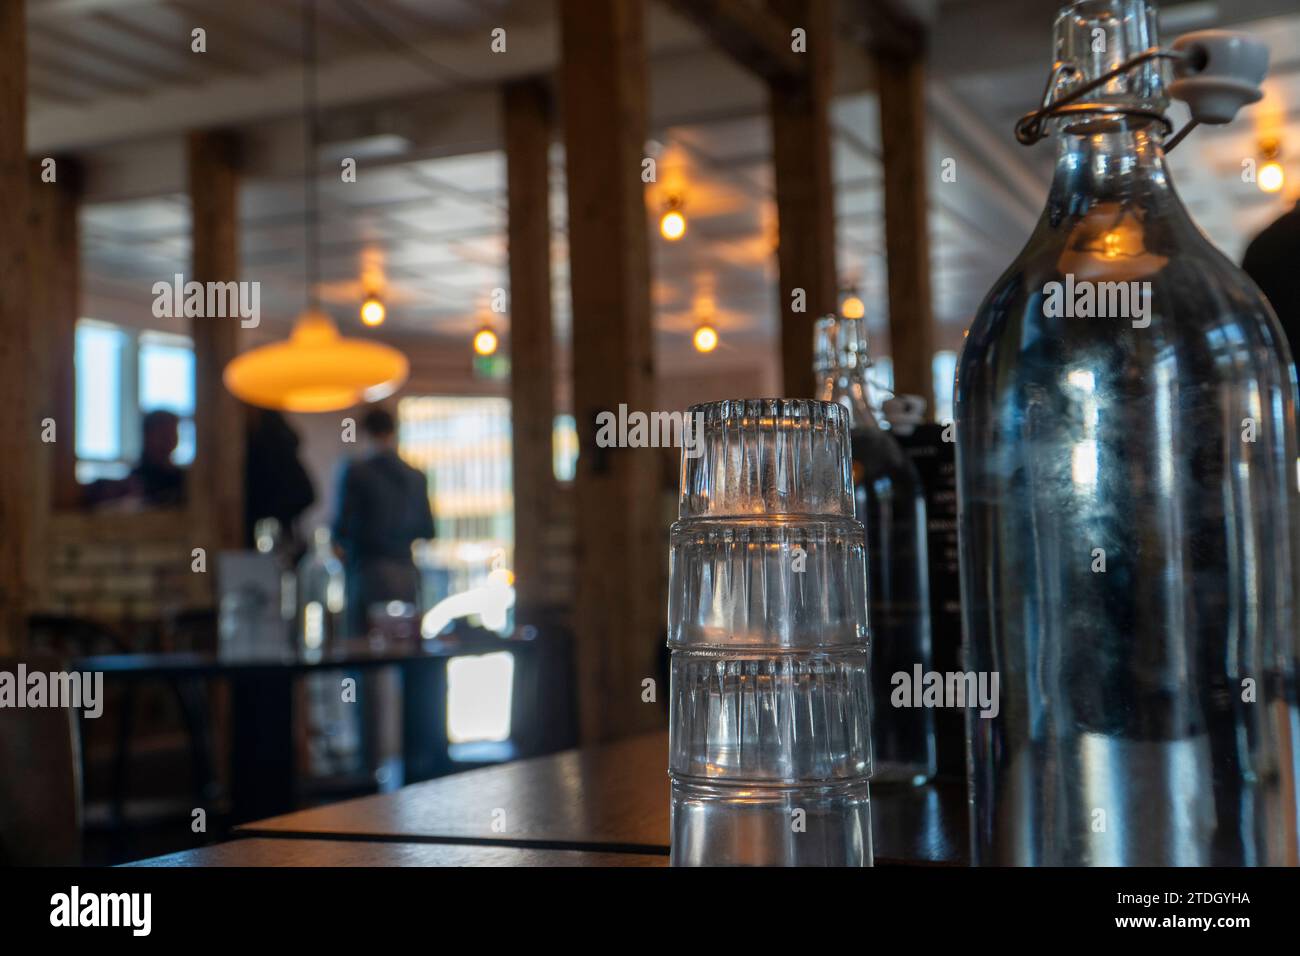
(122,567)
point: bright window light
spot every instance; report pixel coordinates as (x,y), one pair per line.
(880,380)
(564,448)
(166,375)
(167,381)
(479,690)
(463,447)
(98,358)
(943,368)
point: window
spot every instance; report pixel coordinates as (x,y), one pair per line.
(880,380)
(463,446)
(943,368)
(121,374)
(564,448)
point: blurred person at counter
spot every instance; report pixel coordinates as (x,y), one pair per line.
(383,508)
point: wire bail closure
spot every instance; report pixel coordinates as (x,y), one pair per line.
(1032,127)
(1216,73)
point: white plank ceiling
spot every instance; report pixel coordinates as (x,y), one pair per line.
(424,225)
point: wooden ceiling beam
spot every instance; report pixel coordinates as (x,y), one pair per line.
(892,28)
(755,36)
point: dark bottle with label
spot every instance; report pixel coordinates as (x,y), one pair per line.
(889,501)
(931,446)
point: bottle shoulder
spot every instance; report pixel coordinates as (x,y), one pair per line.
(1194,307)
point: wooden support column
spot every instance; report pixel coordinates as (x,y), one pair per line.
(620,617)
(18,432)
(216,480)
(532,381)
(805,197)
(900,79)
(54,274)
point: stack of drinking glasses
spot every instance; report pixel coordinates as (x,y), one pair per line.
(770,749)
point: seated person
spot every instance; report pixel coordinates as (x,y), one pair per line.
(155,482)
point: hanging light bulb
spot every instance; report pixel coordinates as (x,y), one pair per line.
(853,307)
(672,225)
(1108,244)
(1271,177)
(705,339)
(373,312)
(485,341)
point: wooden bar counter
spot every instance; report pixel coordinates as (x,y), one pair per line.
(601,800)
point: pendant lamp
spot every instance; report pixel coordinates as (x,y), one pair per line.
(316,369)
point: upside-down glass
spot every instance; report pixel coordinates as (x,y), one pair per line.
(770,750)
(1128,505)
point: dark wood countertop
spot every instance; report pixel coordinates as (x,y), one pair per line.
(271,852)
(611,798)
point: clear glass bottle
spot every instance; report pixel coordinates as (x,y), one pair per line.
(769,744)
(889,500)
(321,596)
(1128,505)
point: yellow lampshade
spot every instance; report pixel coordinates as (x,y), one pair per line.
(316,370)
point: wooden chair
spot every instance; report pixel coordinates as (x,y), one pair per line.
(40,780)
(71,636)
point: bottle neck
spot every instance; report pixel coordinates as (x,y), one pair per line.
(1105,162)
(847,386)
(840,362)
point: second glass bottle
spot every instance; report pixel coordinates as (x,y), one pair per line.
(888,499)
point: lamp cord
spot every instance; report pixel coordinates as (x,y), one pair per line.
(310,188)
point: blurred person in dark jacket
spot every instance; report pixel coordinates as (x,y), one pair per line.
(276,485)
(1273,261)
(383,508)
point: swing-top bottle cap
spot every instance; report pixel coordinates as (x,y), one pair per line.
(1222,73)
